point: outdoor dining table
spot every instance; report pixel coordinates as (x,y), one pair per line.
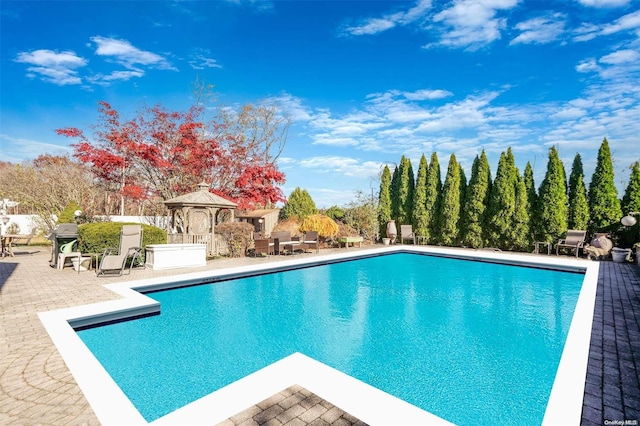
(7,250)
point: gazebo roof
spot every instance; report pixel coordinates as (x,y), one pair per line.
(200,198)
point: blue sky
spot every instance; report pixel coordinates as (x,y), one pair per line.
(364,82)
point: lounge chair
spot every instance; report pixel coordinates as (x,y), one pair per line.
(406,233)
(130,248)
(573,241)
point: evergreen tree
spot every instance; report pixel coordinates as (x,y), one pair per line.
(406,187)
(520,238)
(384,201)
(299,205)
(532,199)
(552,200)
(449,212)
(394,190)
(631,199)
(502,202)
(420,216)
(434,194)
(578,205)
(68,214)
(463,200)
(604,206)
(478,193)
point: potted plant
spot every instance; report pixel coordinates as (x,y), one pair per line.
(392,231)
(619,254)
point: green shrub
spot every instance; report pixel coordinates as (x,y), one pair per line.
(95,237)
(68,215)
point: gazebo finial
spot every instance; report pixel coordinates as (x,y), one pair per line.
(203,186)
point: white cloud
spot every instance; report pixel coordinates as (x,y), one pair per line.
(421,95)
(630,21)
(293,107)
(201,62)
(621,57)
(623,65)
(16,149)
(569,113)
(345,166)
(121,75)
(472,23)
(201,59)
(128,55)
(372,26)
(55,67)
(540,30)
(587,65)
(588,31)
(603,3)
(376,25)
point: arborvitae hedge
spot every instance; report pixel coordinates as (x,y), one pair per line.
(604,206)
(502,202)
(394,190)
(406,186)
(477,199)
(631,199)
(449,213)
(552,199)
(578,205)
(521,238)
(384,201)
(508,213)
(434,194)
(532,198)
(420,215)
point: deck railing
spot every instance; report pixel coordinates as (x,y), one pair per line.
(214,248)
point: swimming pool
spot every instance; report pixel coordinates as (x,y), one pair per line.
(421,330)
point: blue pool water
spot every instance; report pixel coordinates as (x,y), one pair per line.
(471,342)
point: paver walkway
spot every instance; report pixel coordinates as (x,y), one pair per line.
(294,406)
(612,389)
(36,388)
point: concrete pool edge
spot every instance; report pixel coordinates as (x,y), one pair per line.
(112,407)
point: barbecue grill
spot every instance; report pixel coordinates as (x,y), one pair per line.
(64,233)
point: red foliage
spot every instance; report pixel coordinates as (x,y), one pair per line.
(169,152)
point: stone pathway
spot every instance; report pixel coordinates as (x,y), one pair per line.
(612,389)
(294,406)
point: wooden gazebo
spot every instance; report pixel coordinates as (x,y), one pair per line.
(194,217)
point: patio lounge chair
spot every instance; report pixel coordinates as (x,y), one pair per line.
(406,233)
(574,241)
(130,248)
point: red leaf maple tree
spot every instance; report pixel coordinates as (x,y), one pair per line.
(166,153)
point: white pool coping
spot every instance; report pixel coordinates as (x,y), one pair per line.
(361,400)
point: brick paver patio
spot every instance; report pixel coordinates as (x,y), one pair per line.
(36,388)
